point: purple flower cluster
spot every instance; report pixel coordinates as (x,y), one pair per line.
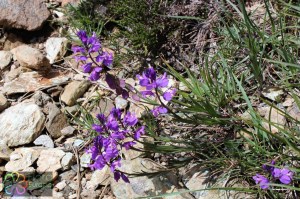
(91,64)
(111,133)
(153,83)
(284,175)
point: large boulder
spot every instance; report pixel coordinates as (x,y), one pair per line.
(21,124)
(25,14)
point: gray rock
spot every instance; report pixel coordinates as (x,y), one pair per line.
(3,102)
(73,91)
(67,175)
(67,131)
(5,59)
(61,185)
(78,142)
(56,48)
(71,109)
(85,160)
(120,102)
(21,159)
(49,160)
(67,160)
(30,57)
(45,141)
(56,121)
(21,124)
(142,185)
(29,14)
(272,93)
(99,177)
(5,151)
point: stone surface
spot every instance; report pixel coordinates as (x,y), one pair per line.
(142,185)
(56,48)
(67,131)
(85,160)
(29,14)
(5,59)
(11,41)
(56,121)
(73,91)
(274,116)
(32,81)
(61,185)
(3,102)
(30,57)
(273,93)
(49,160)
(121,103)
(21,159)
(5,151)
(99,177)
(67,160)
(66,2)
(21,124)
(45,141)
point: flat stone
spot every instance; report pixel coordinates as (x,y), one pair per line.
(5,151)
(21,159)
(5,59)
(67,131)
(73,91)
(29,57)
(56,48)
(121,103)
(85,160)
(49,160)
(29,15)
(67,160)
(32,81)
(273,93)
(56,121)
(61,185)
(3,102)
(21,124)
(274,116)
(45,141)
(99,177)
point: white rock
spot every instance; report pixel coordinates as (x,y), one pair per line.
(5,59)
(67,160)
(272,93)
(85,160)
(56,48)
(5,151)
(61,185)
(99,177)
(30,57)
(44,140)
(121,103)
(21,159)
(21,124)
(78,142)
(49,160)
(69,130)
(3,102)
(73,91)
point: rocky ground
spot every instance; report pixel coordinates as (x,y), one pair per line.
(41,86)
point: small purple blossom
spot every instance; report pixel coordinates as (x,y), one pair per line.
(130,119)
(128,145)
(86,68)
(262,181)
(168,95)
(159,110)
(284,175)
(95,75)
(140,131)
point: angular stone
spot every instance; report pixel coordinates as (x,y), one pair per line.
(67,131)
(56,48)
(5,59)
(3,102)
(274,116)
(67,160)
(85,160)
(49,160)
(21,159)
(30,58)
(21,124)
(99,177)
(45,141)
(56,120)
(29,15)
(273,93)
(73,91)
(121,103)
(5,151)
(32,81)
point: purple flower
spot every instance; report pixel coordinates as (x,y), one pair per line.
(78,49)
(128,145)
(82,36)
(95,75)
(169,94)
(130,119)
(124,178)
(139,132)
(80,58)
(99,163)
(162,81)
(108,60)
(284,175)
(147,93)
(262,181)
(269,168)
(112,124)
(159,110)
(97,128)
(114,164)
(101,117)
(87,67)
(93,43)
(116,113)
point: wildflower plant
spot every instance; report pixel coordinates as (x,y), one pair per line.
(113,133)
